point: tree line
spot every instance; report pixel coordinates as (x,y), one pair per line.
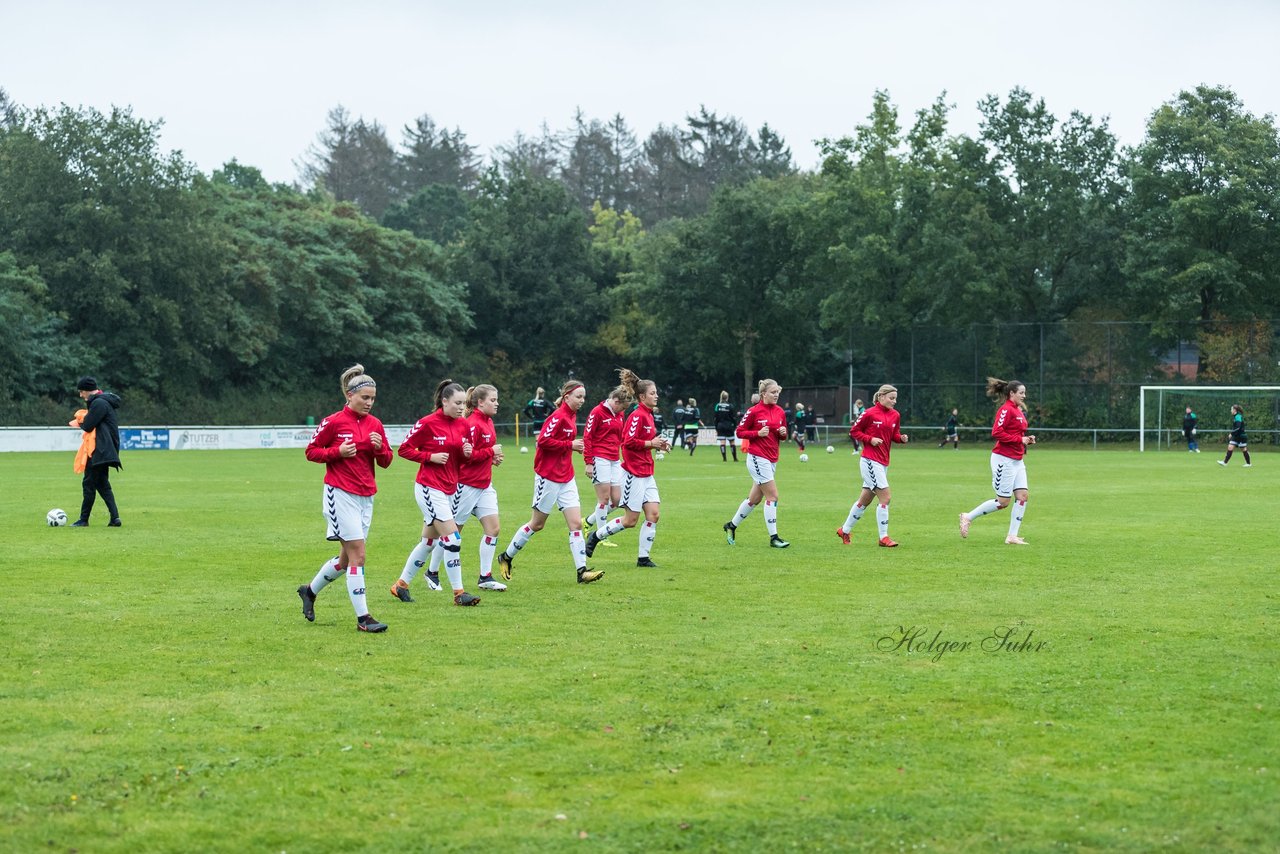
(702,255)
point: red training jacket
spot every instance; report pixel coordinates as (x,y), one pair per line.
(553,456)
(432,434)
(877,422)
(1007,430)
(603,434)
(350,474)
(769,415)
(636,458)
(477,471)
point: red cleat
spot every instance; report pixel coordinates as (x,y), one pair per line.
(888,543)
(844,538)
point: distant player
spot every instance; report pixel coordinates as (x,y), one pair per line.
(692,424)
(724,415)
(1008,471)
(764,425)
(553,484)
(953,430)
(1238,438)
(639,490)
(537,410)
(877,430)
(800,425)
(348,442)
(1189,422)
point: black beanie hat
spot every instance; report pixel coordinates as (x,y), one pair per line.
(87,384)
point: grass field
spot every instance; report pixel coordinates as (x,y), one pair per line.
(161,691)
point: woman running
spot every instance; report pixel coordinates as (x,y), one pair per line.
(1008,471)
(764,425)
(640,490)
(553,483)
(439,443)
(1238,438)
(601,443)
(348,442)
(877,430)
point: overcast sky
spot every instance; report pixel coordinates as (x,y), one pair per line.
(255,80)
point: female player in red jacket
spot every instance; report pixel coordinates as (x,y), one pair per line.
(1008,471)
(601,444)
(439,443)
(639,491)
(553,483)
(877,430)
(348,442)
(764,425)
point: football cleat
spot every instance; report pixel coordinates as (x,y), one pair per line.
(844,538)
(776,542)
(588,575)
(488,582)
(400,590)
(504,563)
(646,563)
(82,523)
(1220,462)
(607,544)
(465,598)
(1015,541)
(114,523)
(368,624)
(888,543)
(308,602)
(729,530)
(592,541)
(433,580)
(964,525)
(1246,465)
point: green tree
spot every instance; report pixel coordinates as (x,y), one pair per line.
(437,212)
(434,155)
(1204,236)
(355,162)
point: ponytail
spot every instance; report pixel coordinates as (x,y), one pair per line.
(765,384)
(998,389)
(354,378)
(446,388)
(478,395)
(567,389)
(631,384)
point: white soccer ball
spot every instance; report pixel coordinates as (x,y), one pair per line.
(56,518)
(831,449)
(523,449)
(660,455)
(804,458)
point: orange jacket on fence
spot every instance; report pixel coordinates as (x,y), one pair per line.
(88,442)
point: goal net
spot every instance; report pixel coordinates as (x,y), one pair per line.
(1161,409)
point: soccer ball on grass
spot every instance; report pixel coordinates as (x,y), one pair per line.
(804,458)
(831,449)
(56,518)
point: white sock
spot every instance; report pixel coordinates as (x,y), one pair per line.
(855,513)
(744,510)
(417,559)
(488,547)
(648,533)
(610,529)
(355,589)
(437,556)
(988,506)
(882,519)
(450,548)
(578,548)
(520,540)
(328,572)
(771,517)
(602,515)
(1018,510)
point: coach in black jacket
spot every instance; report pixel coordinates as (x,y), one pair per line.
(101,421)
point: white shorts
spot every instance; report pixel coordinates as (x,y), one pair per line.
(347,517)
(1007,475)
(608,471)
(638,491)
(874,475)
(472,500)
(760,469)
(548,495)
(436,506)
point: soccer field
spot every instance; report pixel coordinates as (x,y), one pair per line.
(1111,686)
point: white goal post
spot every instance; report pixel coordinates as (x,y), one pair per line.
(1188,390)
